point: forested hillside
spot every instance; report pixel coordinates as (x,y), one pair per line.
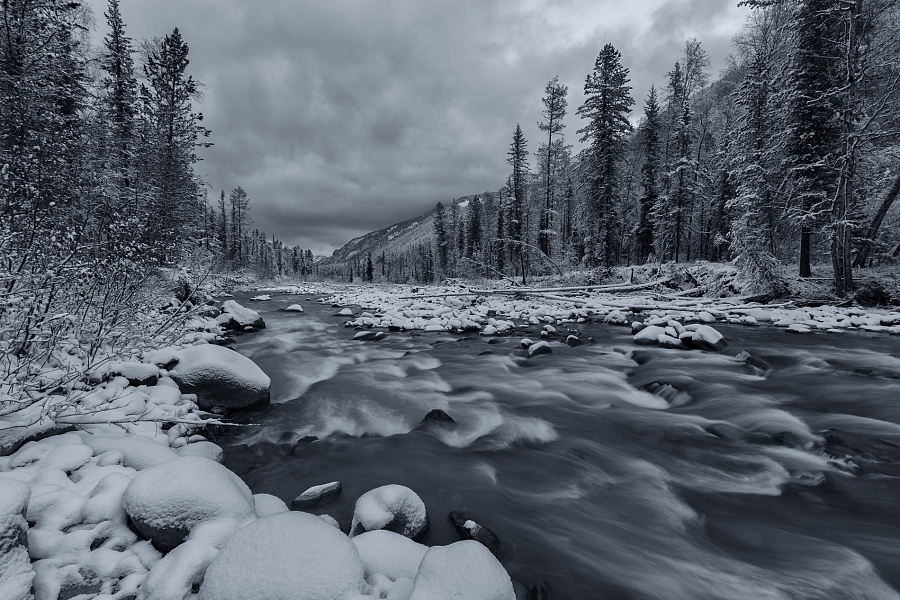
(789,157)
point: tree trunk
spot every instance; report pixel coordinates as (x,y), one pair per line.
(865,251)
(805,238)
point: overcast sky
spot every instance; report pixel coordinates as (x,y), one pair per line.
(339,117)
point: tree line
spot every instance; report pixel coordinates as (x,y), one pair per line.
(790,156)
(98,148)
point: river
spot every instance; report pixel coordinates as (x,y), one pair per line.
(607,471)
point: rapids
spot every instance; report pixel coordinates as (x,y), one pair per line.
(606,470)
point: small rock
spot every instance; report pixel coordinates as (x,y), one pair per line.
(637,327)
(649,336)
(573,341)
(707,338)
(294,308)
(538,592)
(669,342)
(317,495)
(364,336)
(526,343)
(393,508)
(346,313)
(496,341)
(438,416)
(470,530)
(380,336)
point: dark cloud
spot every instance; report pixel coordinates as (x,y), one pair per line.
(345,116)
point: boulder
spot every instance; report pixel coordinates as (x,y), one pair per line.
(138,452)
(294,308)
(389,553)
(267,504)
(168,502)
(649,336)
(380,336)
(573,341)
(239,317)
(16,572)
(525,343)
(204,449)
(707,338)
(438,417)
(538,349)
(669,342)
(317,495)
(462,570)
(221,378)
(393,508)
(470,530)
(364,336)
(291,555)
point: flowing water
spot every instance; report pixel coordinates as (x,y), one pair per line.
(606,470)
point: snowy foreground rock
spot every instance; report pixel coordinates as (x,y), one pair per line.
(119,516)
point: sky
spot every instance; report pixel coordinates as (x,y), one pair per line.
(340,117)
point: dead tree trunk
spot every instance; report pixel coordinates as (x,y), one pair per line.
(865,251)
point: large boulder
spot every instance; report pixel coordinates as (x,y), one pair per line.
(707,338)
(138,452)
(168,502)
(390,554)
(221,378)
(16,573)
(462,570)
(239,317)
(291,555)
(392,507)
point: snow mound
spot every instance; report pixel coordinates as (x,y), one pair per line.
(168,502)
(462,570)
(238,316)
(221,378)
(267,505)
(204,449)
(136,373)
(138,452)
(173,577)
(288,555)
(389,553)
(392,507)
(16,573)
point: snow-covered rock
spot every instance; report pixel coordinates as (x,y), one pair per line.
(462,570)
(364,336)
(798,328)
(221,378)
(173,577)
(262,297)
(168,502)
(239,317)
(294,308)
(290,555)
(649,336)
(539,348)
(392,507)
(317,494)
(346,312)
(468,529)
(204,449)
(136,373)
(16,572)
(267,504)
(616,317)
(707,338)
(389,553)
(138,452)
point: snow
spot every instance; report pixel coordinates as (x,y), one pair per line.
(16,573)
(220,377)
(173,577)
(287,555)
(267,504)
(393,507)
(136,373)
(464,569)
(707,338)
(389,553)
(204,449)
(294,308)
(168,502)
(138,452)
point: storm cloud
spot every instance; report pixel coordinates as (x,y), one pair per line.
(340,117)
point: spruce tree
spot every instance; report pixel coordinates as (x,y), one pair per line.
(606,108)
(518,160)
(650,131)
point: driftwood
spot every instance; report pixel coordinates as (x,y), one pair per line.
(533,291)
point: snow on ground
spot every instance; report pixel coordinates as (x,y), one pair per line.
(458,310)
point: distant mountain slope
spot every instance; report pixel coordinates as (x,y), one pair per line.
(390,240)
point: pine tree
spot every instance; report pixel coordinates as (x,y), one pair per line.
(554,112)
(174,133)
(650,130)
(441,240)
(222,231)
(240,224)
(606,108)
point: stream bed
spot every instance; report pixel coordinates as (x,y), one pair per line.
(607,470)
